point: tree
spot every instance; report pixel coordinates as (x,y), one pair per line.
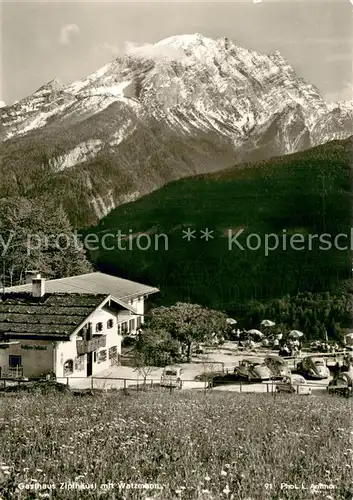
(37,235)
(154,348)
(188,323)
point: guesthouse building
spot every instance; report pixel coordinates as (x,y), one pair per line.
(70,326)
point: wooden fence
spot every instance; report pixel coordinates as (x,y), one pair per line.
(139,384)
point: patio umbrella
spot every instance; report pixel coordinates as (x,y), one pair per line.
(348,339)
(267,322)
(231,321)
(296,334)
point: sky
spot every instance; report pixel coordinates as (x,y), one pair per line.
(69,40)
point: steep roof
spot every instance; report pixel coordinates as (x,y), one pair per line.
(93,283)
(51,317)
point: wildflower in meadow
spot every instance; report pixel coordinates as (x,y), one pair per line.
(226,490)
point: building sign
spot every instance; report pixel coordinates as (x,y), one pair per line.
(34,347)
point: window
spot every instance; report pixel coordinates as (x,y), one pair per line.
(119,329)
(15,361)
(139,321)
(124,328)
(113,352)
(102,356)
(110,323)
(99,327)
(87,332)
(79,363)
(131,325)
(68,367)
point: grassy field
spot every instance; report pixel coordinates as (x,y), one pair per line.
(192,446)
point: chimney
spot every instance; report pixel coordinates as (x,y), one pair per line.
(38,287)
(30,275)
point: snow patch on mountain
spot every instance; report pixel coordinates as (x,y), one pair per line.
(26,125)
(77,155)
(101,206)
(122,133)
(108,90)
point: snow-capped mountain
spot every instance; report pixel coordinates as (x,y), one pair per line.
(187,104)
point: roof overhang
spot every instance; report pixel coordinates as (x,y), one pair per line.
(107,301)
(139,294)
(66,336)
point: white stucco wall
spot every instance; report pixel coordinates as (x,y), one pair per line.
(68,350)
(112,339)
(65,351)
(36,357)
(138,305)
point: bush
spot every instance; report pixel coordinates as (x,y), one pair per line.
(128,341)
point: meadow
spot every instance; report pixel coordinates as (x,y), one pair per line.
(184,445)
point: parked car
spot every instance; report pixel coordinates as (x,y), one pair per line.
(293,384)
(252,369)
(342,384)
(172,377)
(278,366)
(285,351)
(313,367)
(198,349)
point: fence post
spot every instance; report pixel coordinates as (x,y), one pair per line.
(151,383)
(125,384)
(171,388)
(67,381)
(241,386)
(91,383)
(138,385)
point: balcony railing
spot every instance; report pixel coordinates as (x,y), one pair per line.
(12,372)
(84,347)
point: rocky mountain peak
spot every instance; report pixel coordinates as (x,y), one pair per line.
(184,105)
(51,86)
